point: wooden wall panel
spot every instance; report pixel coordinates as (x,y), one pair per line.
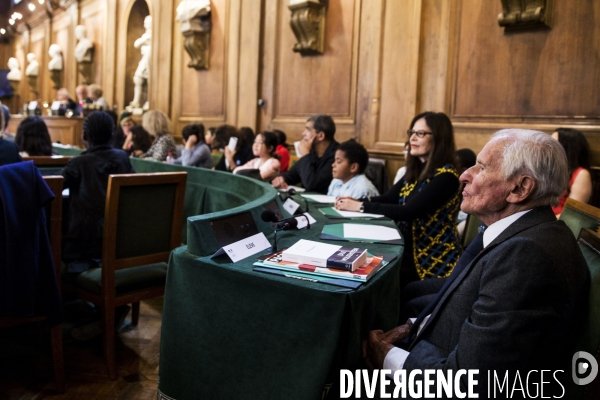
(548,73)
(63,34)
(38,44)
(93,15)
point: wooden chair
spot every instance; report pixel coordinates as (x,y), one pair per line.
(48,161)
(54,224)
(589,338)
(578,215)
(142,224)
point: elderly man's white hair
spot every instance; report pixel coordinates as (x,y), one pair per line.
(534,153)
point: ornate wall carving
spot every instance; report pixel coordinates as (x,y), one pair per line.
(525,14)
(308,24)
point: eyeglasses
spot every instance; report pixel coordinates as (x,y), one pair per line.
(418,133)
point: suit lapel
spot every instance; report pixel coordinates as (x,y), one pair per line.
(536,216)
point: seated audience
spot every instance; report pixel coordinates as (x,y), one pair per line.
(231,158)
(209,136)
(313,171)
(424,202)
(86,176)
(282,150)
(141,141)
(518,303)
(578,156)
(9,151)
(196,152)
(95,93)
(67,103)
(82,95)
(33,138)
(351,159)
(266,159)
(158,125)
(122,139)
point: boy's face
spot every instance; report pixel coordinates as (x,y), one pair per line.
(341,167)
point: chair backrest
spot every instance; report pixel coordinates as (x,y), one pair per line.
(142,218)
(589,338)
(377,174)
(48,161)
(471,230)
(54,220)
(578,215)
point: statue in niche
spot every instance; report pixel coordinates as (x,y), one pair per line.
(32,71)
(142,73)
(55,65)
(14,75)
(194,17)
(84,54)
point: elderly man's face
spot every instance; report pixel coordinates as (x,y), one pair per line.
(485,192)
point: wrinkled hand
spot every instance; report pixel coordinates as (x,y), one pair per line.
(279,183)
(396,335)
(347,204)
(375,349)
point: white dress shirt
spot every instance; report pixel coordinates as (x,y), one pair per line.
(396,357)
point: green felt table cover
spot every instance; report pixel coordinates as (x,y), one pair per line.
(229,332)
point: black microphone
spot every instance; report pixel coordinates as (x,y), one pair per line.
(282,224)
(269,216)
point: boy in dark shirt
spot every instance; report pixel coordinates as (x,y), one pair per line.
(86,176)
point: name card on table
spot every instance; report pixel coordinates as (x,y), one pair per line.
(244,248)
(290,206)
(303,220)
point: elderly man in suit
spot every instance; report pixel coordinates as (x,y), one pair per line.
(515,305)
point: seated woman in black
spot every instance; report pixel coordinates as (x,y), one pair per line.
(86,176)
(424,202)
(231,158)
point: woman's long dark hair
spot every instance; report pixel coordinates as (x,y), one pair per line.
(33,137)
(577,148)
(141,138)
(442,150)
(270,140)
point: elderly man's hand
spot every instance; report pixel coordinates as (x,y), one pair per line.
(375,349)
(396,335)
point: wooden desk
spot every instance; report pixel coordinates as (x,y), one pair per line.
(61,129)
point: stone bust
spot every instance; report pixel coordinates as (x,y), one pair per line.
(188,9)
(15,73)
(33,66)
(85,47)
(56,59)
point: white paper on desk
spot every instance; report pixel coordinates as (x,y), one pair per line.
(244,248)
(320,198)
(353,214)
(302,222)
(370,232)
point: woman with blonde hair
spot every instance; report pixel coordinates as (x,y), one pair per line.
(158,125)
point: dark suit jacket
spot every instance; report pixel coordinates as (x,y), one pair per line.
(514,307)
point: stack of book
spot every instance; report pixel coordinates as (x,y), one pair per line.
(320,262)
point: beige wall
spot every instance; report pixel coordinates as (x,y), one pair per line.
(384,62)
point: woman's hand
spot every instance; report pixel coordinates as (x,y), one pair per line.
(191,142)
(347,204)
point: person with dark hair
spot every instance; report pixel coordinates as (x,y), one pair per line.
(351,160)
(578,156)
(9,151)
(196,152)
(282,150)
(424,202)
(231,158)
(209,136)
(141,140)
(86,177)
(313,170)
(266,161)
(33,138)
(247,133)
(122,137)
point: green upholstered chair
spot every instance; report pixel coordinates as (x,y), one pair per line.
(471,230)
(54,224)
(589,338)
(578,215)
(142,224)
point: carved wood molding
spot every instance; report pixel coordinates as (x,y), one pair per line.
(308,25)
(197,42)
(525,14)
(56,76)
(85,69)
